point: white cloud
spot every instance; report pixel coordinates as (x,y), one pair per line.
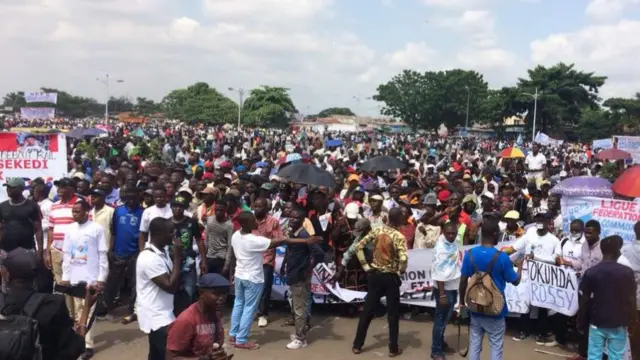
(486,59)
(278,10)
(608,50)
(417,56)
(455,4)
(477,25)
(608,10)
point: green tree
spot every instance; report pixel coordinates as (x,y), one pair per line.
(14,99)
(625,112)
(268,106)
(335,111)
(146,106)
(596,124)
(120,104)
(564,93)
(200,103)
(425,100)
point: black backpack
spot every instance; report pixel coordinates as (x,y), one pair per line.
(19,333)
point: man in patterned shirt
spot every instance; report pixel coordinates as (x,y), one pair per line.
(388,265)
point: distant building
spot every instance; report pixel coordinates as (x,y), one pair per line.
(351,124)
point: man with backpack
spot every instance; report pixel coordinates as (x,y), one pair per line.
(34,323)
(485,273)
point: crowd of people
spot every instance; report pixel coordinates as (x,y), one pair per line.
(168,235)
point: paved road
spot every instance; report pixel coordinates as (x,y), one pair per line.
(331,336)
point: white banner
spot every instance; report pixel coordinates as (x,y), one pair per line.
(416,287)
(519,297)
(37,113)
(630,144)
(553,287)
(602,144)
(616,217)
(545,140)
(30,156)
(32,97)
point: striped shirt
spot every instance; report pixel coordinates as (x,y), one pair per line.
(60,218)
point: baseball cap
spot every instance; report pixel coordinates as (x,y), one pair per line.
(444,195)
(468,198)
(21,264)
(376,197)
(360,226)
(430,199)
(180,201)
(98,192)
(512,214)
(15,182)
(212,281)
(267,186)
(353,177)
(488,194)
(352,211)
(64,182)
(186,190)
(541,213)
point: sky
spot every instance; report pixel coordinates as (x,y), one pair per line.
(329,53)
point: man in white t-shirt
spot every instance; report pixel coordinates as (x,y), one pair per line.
(536,164)
(84,261)
(160,209)
(157,279)
(248,250)
(539,245)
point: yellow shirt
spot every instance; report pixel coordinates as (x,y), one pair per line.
(384,259)
(104,218)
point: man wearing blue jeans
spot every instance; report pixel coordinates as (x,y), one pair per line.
(249,276)
(607,302)
(486,258)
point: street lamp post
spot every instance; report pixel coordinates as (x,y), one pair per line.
(535,112)
(240,92)
(466,126)
(106,81)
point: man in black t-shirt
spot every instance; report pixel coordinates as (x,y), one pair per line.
(187,231)
(20,220)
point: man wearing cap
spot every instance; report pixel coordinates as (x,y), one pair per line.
(512,230)
(58,339)
(187,231)
(361,229)
(20,220)
(377,216)
(124,248)
(198,331)
(60,219)
(101,213)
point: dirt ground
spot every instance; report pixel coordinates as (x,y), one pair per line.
(331,335)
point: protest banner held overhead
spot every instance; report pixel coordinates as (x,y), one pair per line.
(44,97)
(553,287)
(31,113)
(630,144)
(616,217)
(30,156)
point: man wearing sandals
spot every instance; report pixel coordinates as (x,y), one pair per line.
(389,263)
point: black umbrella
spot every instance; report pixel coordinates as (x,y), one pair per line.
(382,163)
(307,174)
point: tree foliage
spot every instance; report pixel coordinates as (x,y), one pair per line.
(425,100)
(146,106)
(200,103)
(268,106)
(335,111)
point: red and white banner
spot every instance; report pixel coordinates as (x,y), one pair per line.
(30,156)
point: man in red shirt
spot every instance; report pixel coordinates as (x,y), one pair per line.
(198,332)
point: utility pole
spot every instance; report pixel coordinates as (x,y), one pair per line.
(240,92)
(106,81)
(535,112)
(466,126)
